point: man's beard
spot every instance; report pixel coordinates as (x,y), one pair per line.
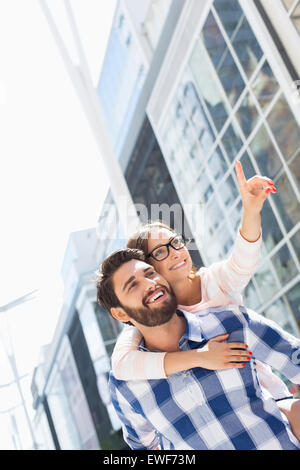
(151,316)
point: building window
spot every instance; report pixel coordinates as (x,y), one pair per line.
(109,327)
(293,297)
(128,40)
(296,17)
(121,21)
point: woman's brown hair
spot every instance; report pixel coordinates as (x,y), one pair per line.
(139,240)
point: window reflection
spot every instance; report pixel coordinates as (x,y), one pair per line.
(251,296)
(247,115)
(229,191)
(235,216)
(227,241)
(248,168)
(287,203)
(265,86)
(279,313)
(197,157)
(232,142)
(293,297)
(284,265)
(214,216)
(212,247)
(178,141)
(205,187)
(240,33)
(213,40)
(266,282)
(217,165)
(222,59)
(230,14)
(271,232)
(294,166)
(247,48)
(295,240)
(284,127)
(195,112)
(265,153)
(205,79)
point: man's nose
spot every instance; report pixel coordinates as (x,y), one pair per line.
(149,284)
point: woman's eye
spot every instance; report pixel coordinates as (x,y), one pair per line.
(158,252)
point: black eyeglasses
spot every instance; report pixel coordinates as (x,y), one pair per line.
(161,252)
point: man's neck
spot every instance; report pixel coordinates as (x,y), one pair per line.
(164,337)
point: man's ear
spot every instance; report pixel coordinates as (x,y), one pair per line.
(119,314)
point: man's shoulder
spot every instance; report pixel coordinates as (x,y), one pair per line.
(113,381)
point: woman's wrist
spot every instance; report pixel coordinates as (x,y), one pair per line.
(175,362)
(251,226)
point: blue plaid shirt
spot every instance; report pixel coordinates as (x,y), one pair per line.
(210,409)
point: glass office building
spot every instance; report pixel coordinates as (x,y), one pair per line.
(227,102)
(123,75)
(68,405)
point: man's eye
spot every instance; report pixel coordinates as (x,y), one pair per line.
(132,285)
(151,273)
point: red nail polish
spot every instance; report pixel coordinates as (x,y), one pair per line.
(246,345)
(250,353)
(248,358)
(268,190)
(243,365)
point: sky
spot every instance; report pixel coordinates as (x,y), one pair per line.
(52,181)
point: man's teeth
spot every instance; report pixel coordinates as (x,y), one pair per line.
(179,264)
(158,294)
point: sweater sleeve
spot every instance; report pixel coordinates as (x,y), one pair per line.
(271,382)
(128,363)
(233,274)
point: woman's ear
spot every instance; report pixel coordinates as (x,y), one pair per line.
(119,314)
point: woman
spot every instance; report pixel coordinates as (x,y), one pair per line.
(213,286)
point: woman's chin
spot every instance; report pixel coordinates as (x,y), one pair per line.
(179,274)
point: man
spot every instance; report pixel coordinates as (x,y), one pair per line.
(200,408)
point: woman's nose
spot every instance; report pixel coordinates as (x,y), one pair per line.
(174,253)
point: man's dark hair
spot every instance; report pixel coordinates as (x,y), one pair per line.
(106,296)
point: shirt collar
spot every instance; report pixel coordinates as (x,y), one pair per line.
(193,330)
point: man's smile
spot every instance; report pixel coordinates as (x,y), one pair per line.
(157,296)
